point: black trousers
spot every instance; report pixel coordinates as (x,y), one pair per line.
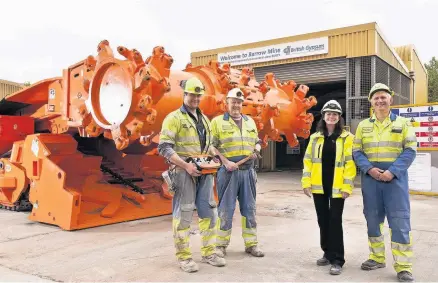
(329,212)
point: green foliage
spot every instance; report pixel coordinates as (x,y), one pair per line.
(432,70)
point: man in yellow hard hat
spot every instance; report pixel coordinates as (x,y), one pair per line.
(235,138)
(186,132)
(385,146)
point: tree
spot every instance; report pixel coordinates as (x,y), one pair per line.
(432,70)
(26,83)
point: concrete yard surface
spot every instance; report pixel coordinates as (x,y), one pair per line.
(143,250)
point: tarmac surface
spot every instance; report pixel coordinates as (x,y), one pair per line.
(143,250)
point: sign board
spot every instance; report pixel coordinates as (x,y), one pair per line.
(425,121)
(293,150)
(275,52)
(420,173)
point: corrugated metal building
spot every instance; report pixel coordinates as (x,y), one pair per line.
(339,64)
(7,87)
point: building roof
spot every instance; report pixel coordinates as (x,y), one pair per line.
(351,41)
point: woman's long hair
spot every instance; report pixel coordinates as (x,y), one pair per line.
(322,126)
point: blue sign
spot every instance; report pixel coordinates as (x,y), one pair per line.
(409,115)
(395,111)
(431,113)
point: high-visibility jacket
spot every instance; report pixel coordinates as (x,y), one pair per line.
(384,142)
(179,129)
(230,141)
(345,169)
(389,145)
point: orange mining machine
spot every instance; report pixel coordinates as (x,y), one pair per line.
(80,150)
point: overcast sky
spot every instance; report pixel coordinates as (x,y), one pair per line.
(40,38)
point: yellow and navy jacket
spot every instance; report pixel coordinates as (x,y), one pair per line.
(230,141)
(393,141)
(345,169)
(179,130)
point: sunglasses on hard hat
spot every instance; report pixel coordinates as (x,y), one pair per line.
(333,106)
(239,94)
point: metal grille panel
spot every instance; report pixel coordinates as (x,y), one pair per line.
(358,85)
(382,75)
(362,73)
(327,70)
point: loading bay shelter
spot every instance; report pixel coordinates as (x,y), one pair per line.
(339,64)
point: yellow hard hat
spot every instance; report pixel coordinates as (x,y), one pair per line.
(236,93)
(379,87)
(193,85)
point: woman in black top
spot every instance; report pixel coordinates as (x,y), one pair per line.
(328,175)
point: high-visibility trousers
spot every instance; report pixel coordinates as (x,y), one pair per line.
(390,199)
(191,193)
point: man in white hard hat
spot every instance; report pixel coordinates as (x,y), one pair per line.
(235,138)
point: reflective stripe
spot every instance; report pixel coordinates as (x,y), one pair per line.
(306,174)
(238,139)
(376,239)
(377,250)
(237,148)
(383,155)
(401,247)
(382,144)
(169,133)
(222,233)
(222,242)
(348,182)
(250,239)
(189,139)
(223,237)
(307,156)
(249,231)
(316,160)
(315,140)
(410,139)
(316,187)
(181,240)
(207,241)
(348,158)
(340,164)
(188,148)
(402,259)
(357,149)
(357,141)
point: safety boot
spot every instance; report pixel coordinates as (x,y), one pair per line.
(372,265)
(322,262)
(188,265)
(336,269)
(405,276)
(214,260)
(254,251)
(221,251)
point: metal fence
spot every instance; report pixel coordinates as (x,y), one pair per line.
(362,74)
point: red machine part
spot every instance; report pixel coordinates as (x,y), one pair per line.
(14,128)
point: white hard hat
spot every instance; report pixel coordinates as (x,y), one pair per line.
(332,106)
(236,93)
